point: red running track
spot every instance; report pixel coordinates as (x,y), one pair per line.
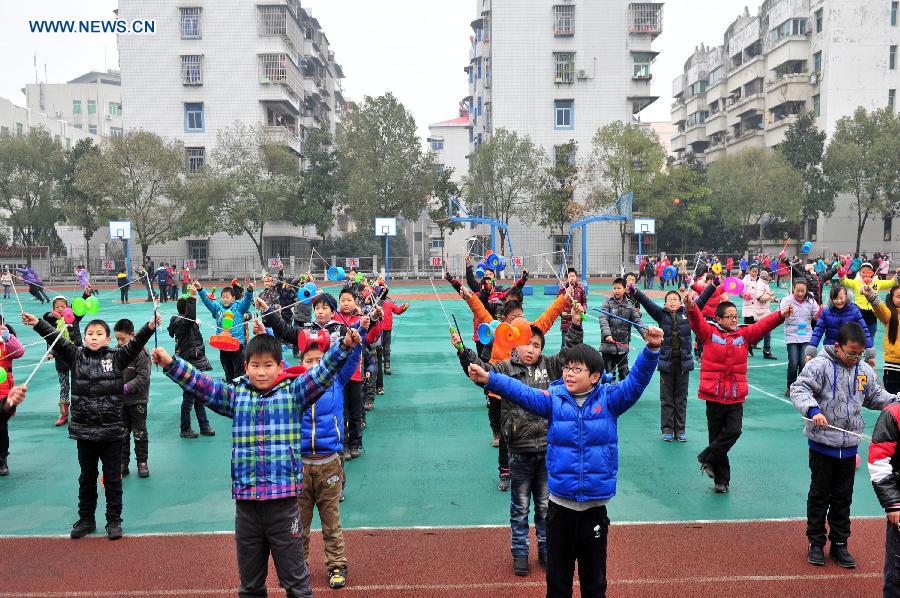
(759,559)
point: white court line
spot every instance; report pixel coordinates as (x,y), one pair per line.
(460,586)
(768,394)
(767,365)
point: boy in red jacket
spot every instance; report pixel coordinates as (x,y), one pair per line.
(723,380)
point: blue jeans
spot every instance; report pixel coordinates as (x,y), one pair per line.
(796,360)
(528,479)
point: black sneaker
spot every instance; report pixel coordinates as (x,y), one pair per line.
(840,554)
(379,391)
(207,431)
(816,555)
(114,529)
(503,483)
(769,356)
(542,557)
(189,434)
(143,470)
(520,565)
(4,468)
(82,528)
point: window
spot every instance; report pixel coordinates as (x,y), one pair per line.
(437,144)
(114,109)
(888,225)
(272,20)
(471,135)
(820,17)
(812,228)
(697,118)
(716,75)
(437,243)
(790,28)
(76,106)
(641,65)
(559,249)
(279,246)
(892,58)
(92,107)
(564,114)
(817,105)
(894,6)
(92,129)
(190,23)
(4,131)
(565,67)
(115,131)
(19,129)
(563,20)
(417,236)
(199,251)
(817,62)
(480,106)
(892,95)
(190,70)
(479,68)
(77,126)
(193,117)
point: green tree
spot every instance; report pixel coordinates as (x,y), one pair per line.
(863,159)
(86,212)
(319,193)
(555,206)
(31,166)
(139,174)
(754,185)
(444,188)
(687,222)
(804,150)
(624,158)
(251,182)
(505,176)
(380,155)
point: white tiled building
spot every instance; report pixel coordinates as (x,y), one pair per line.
(92,102)
(18,120)
(558,70)
(825,56)
(213,63)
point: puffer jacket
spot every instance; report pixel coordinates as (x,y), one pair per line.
(679,325)
(798,326)
(757,305)
(137,380)
(582,442)
(579,295)
(266,425)
(188,339)
(323,422)
(616,328)
(723,367)
(391,309)
(271,296)
(524,431)
(714,298)
(237,309)
(10,349)
(856,283)
(891,349)
(748,310)
(97,383)
(838,392)
(829,324)
(884,460)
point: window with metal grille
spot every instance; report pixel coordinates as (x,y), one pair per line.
(564,19)
(198,250)
(646,18)
(191,73)
(565,67)
(190,23)
(274,66)
(271,20)
(196,158)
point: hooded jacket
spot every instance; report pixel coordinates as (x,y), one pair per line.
(620,331)
(829,324)
(838,392)
(323,422)
(237,309)
(188,339)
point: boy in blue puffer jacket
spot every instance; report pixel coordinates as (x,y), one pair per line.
(582,455)
(232,361)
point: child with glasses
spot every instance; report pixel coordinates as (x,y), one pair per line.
(830,393)
(723,379)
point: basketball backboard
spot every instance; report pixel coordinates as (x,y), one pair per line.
(120,229)
(385,227)
(645,226)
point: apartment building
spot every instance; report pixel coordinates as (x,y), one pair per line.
(92,102)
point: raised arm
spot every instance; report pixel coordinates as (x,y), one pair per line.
(307,389)
(214,307)
(470,279)
(212,392)
(546,319)
(655,311)
(63,350)
(623,395)
(478,309)
(756,331)
(280,328)
(708,293)
(130,350)
(531,399)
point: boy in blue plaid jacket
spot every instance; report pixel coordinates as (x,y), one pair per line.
(266,406)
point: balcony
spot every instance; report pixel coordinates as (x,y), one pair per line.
(747,139)
(645,18)
(755,103)
(276,21)
(788,88)
(751,69)
(776,130)
(279,71)
(284,136)
(679,142)
(696,134)
(679,112)
(715,123)
(787,50)
(714,152)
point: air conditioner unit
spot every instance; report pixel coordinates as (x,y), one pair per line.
(582,74)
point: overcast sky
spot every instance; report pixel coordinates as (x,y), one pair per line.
(413,48)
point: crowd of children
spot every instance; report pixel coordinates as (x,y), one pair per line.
(553,416)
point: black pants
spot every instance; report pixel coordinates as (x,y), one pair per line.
(576,536)
(188,401)
(109,453)
(616,362)
(353,413)
(383,354)
(830,495)
(135,419)
(4,435)
(891,381)
(494,408)
(123,294)
(724,425)
(270,526)
(673,388)
(232,363)
(163,292)
(38,293)
(871,321)
(891,562)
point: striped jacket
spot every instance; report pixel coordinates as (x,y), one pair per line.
(266,427)
(883,456)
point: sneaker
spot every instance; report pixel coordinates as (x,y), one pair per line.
(520,565)
(681,437)
(840,554)
(369,405)
(503,483)
(769,356)
(189,434)
(379,391)
(207,431)
(356,452)
(387,368)
(143,470)
(4,468)
(720,488)
(337,578)
(542,557)
(114,529)
(668,437)
(82,528)
(495,441)
(815,555)
(347,454)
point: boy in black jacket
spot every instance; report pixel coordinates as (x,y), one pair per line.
(189,346)
(134,408)
(95,418)
(885,473)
